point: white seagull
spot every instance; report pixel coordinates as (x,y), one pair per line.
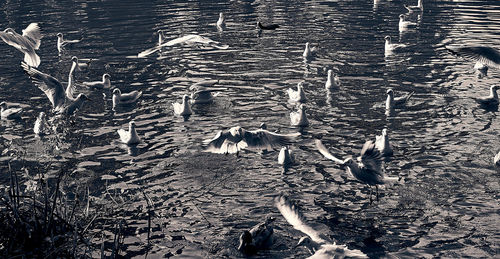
(318,244)
(105,83)
(221,23)
(26,43)
(383,145)
(184,108)
(332,81)
(9,113)
(299,117)
(396,102)
(404,24)
(61,42)
(125,98)
(129,137)
(237,138)
(41,125)
(391,47)
(299,95)
(415,8)
(309,52)
(490,100)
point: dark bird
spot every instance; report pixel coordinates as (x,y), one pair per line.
(260,237)
(367,170)
(267,26)
(237,138)
(26,43)
(318,244)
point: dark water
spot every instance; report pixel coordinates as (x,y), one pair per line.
(444,143)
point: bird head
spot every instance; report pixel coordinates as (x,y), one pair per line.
(9,30)
(131,124)
(221,15)
(41,115)
(106,76)
(330,73)
(387,39)
(185,98)
(160,32)
(307,44)
(384,132)
(3,105)
(304,241)
(245,240)
(59,35)
(300,85)
(237,131)
(402,17)
(117,91)
(494,87)
(390,92)
(74,59)
(302,107)
(263,125)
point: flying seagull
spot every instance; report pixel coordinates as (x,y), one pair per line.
(26,43)
(190,39)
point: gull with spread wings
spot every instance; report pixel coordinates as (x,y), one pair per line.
(237,138)
(320,246)
(26,43)
(484,57)
(190,39)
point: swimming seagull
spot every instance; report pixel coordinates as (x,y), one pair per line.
(202,92)
(490,100)
(332,80)
(129,137)
(299,117)
(81,65)
(41,125)
(26,43)
(396,102)
(61,42)
(285,158)
(105,83)
(161,37)
(184,108)
(62,100)
(383,145)
(258,238)
(299,95)
(391,47)
(221,23)
(237,138)
(484,57)
(415,8)
(367,170)
(318,244)
(8,113)
(404,24)
(125,98)
(309,52)
(190,39)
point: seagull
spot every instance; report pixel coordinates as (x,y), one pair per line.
(129,137)
(267,26)
(390,47)
(61,43)
(285,158)
(26,43)
(382,144)
(415,8)
(237,138)
(190,39)
(404,24)
(299,95)
(221,23)
(127,98)
(81,65)
(490,100)
(484,57)
(258,238)
(62,100)
(299,117)
(184,108)
(496,160)
(318,244)
(367,170)
(7,113)
(41,125)
(309,52)
(397,102)
(161,37)
(105,83)
(202,92)
(332,81)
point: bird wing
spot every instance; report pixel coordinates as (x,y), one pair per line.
(48,84)
(32,32)
(222,143)
(265,139)
(297,220)
(203,84)
(149,51)
(486,55)
(371,157)
(17,41)
(324,151)
(130,97)
(179,40)
(124,135)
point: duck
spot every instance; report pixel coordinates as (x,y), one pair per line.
(396,102)
(26,43)
(189,39)
(332,80)
(221,22)
(299,117)
(270,26)
(125,98)
(404,24)
(318,244)
(129,137)
(309,52)
(41,125)
(202,92)
(299,95)
(61,42)
(9,113)
(259,237)
(490,100)
(63,101)
(105,83)
(383,145)
(415,8)
(184,108)
(391,47)
(484,56)
(367,169)
(235,139)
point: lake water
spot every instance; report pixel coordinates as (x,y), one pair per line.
(447,204)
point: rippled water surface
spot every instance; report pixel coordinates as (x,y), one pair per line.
(447,204)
